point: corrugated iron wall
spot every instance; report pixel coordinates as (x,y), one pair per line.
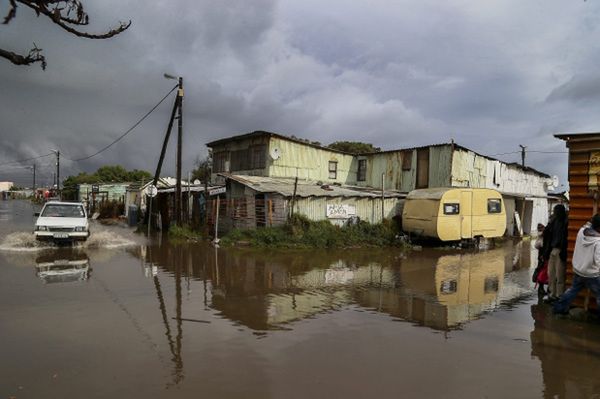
(581,204)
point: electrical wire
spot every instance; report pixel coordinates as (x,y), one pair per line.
(128,131)
(26,159)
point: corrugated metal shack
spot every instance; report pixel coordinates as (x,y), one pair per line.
(584,191)
(255,201)
(275,156)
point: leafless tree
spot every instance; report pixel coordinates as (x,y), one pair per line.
(68,14)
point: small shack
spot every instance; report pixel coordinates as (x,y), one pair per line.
(258,201)
(584,191)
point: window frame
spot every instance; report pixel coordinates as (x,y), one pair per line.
(333,172)
(361,174)
(220,161)
(453,204)
(491,201)
(407,156)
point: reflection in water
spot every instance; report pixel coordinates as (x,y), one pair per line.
(264,291)
(63,266)
(569,354)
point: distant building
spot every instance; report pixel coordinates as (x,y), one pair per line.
(260,170)
(5,185)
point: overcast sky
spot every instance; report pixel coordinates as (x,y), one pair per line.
(489,74)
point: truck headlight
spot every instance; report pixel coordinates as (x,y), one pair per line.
(41,228)
(80,228)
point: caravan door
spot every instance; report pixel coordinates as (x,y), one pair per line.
(466,214)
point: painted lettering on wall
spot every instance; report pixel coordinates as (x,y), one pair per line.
(340,211)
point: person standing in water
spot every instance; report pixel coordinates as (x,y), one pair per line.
(586,265)
(555,251)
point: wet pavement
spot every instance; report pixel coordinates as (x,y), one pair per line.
(123,316)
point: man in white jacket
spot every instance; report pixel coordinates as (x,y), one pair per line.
(586,265)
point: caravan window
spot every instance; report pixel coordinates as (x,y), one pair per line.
(451,209)
(494,205)
(449,287)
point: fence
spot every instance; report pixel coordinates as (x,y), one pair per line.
(246,212)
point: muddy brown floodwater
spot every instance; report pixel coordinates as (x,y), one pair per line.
(124,317)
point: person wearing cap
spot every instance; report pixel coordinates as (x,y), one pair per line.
(586,265)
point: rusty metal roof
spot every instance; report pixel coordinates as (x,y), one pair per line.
(308,188)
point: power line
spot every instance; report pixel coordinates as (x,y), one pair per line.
(26,159)
(128,131)
(505,153)
(550,152)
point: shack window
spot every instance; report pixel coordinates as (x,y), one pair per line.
(362,170)
(423,168)
(333,169)
(494,205)
(220,161)
(451,209)
(406,159)
(449,286)
(259,156)
(240,160)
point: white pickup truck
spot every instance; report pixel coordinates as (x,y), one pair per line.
(62,222)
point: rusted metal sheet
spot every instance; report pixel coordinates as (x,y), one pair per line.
(584,169)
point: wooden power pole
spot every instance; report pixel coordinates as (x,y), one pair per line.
(179,145)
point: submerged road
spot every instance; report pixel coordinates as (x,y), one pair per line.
(123,316)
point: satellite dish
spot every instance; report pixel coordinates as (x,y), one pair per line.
(275,153)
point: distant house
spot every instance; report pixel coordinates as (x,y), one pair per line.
(262,166)
(5,185)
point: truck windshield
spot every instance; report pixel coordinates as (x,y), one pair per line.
(63,211)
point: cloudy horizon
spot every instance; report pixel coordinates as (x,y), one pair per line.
(490,75)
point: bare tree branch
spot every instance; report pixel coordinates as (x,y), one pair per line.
(12,12)
(33,57)
(64,13)
(52,10)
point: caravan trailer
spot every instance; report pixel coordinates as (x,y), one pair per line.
(454,214)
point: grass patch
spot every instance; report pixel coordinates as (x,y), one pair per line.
(184,233)
(301,232)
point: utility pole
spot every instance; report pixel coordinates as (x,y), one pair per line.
(176,107)
(57,153)
(179,145)
(522,155)
(33,179)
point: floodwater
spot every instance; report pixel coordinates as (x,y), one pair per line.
(125,317)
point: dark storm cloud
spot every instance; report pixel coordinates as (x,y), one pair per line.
(490,75)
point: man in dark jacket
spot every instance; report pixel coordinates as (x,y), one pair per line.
(555,251)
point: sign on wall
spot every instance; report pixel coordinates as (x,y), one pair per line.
(594,171)
(340,211)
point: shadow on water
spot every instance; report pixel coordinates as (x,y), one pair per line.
(269,290)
